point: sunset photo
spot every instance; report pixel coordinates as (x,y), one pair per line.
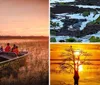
(24,17)
(74,64)
(24,42)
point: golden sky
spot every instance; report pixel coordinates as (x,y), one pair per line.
(24,17)
(87,74)
(93,49)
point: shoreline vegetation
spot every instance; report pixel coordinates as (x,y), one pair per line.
(23,37)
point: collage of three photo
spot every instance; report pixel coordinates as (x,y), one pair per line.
(74,37)
(49,42)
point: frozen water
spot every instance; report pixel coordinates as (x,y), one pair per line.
(83,39)
(89,18)
(54,1)
(58,38)
(87,6)
(75,16)
(57,21)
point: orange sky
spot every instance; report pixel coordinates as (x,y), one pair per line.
(87,74)
(92,49)
(24,17)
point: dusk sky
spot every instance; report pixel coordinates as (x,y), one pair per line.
(24,17)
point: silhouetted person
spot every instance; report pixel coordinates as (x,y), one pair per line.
(15,50)
(76,78)
(14,46)
(8,48)
(1,49)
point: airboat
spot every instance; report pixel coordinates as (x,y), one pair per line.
(10,62)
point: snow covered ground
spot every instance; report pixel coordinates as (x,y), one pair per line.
(83,39)
(57,21)
(54,1)
(88,18)
(87,6)
(91,17)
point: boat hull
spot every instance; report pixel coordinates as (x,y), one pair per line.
(12,66)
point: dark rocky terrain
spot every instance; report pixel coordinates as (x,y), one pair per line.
(88,30)
(88,2)
(69,9)
(65,8)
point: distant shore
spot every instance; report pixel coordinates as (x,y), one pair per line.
(24,37)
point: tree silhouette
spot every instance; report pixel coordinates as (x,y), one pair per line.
(72,60)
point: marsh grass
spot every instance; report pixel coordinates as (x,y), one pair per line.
(35,71)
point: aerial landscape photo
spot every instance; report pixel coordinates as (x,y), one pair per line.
(74,64)
(75,20)
(24,42)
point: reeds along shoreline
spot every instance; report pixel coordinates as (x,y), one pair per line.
(35,72)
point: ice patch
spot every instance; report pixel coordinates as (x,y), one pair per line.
(88,18)
(87,6)
(57,21)
(83,39)
(55,1)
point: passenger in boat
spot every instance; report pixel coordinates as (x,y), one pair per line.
(15,50)
(1,49)
(14,46)
(8,48)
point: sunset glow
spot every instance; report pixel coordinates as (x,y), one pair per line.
(80,68)
(79,64)
(24,17)
(77,52)
(88,65)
